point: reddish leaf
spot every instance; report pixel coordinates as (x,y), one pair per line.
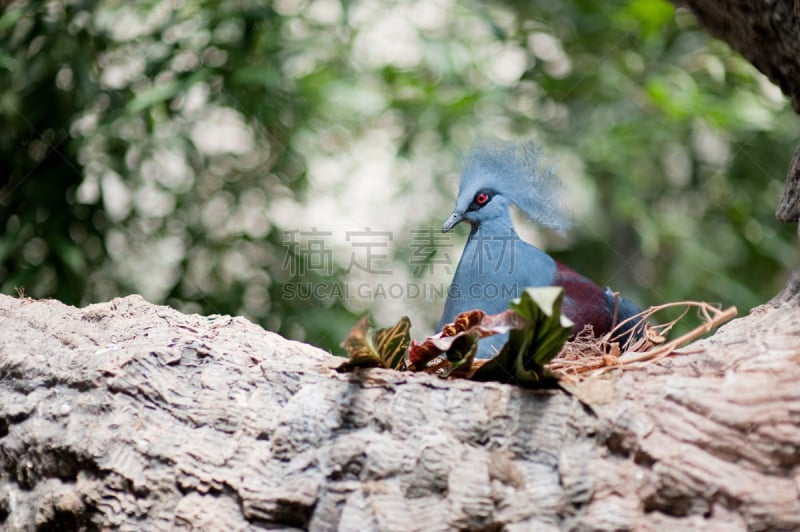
(472,322)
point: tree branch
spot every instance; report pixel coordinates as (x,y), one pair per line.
(127,414)
(765,33)
(768,35)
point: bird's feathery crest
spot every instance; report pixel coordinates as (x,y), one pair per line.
(517,170)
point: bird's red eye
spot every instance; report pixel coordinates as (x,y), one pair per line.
(482,198)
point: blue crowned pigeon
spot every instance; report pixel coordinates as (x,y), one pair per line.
(497,265)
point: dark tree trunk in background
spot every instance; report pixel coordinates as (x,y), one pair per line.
(768,35)
(764,32)
(132,416)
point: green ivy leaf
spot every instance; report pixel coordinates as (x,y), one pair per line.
(542,307)
(532,346)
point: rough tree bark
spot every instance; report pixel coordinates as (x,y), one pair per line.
(768,35)
(130,415)
(765,33)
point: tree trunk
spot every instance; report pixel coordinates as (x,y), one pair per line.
(768,35)
(765,33)
(130,415)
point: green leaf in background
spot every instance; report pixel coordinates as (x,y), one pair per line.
(529,348)
(258,75)
(10,18)
(152,96)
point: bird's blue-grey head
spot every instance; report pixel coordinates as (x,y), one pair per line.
(501,172)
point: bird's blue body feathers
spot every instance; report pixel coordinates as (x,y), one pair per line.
(496,264)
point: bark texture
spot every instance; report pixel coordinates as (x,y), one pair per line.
(135,416)
(789,204)
(766,33)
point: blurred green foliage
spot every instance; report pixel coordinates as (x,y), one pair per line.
(171,148)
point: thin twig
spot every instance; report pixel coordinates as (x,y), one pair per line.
(588,355)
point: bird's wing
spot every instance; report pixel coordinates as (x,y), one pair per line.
(584,302)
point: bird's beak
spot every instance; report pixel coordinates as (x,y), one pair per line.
(453,221)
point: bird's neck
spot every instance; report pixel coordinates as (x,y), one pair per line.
(495,227)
